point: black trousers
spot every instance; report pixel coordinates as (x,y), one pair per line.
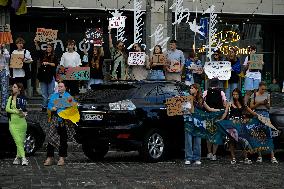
(62,132)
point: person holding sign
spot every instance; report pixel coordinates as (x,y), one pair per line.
(253,76)
(139,72)
(24,73)
(119,59)
(71,59)
(47,73)
(4,74)
(176,61)
(193,142)
(60,128)
(157,63)
(193,69)
(95,62)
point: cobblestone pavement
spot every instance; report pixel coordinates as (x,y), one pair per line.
(126,170)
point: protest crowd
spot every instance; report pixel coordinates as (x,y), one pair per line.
(218,109)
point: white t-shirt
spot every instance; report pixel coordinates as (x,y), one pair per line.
(20,72)
(254,75)
(70,59)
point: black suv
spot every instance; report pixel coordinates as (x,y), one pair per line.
(130,116)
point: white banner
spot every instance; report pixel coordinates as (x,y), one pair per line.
(218,69)
(136,58)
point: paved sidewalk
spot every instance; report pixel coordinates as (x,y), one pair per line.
(125,170)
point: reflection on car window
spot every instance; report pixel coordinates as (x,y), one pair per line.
(159,93)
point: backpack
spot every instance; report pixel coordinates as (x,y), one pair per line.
(214,98)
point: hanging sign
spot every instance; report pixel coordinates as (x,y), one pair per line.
(94,36)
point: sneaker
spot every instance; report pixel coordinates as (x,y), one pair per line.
(214,158)
(233,161)
(274,160)
(25,162)
(209,156)
(247,161)
(187,162)
(197,162)
(16,161)
(259,159)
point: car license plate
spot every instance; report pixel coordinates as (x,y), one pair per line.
(97,117)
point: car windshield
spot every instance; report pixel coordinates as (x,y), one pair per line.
(277,99)
(107,93)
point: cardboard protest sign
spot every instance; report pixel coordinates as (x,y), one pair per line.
(76,73)
(218,69)
(175,105)
(117,22)
(197,68)
(136,58)
(94,36)
(63,102)
(159,59)
(16,61)
(175,66)
(5,34)
(256,62)
(46,35)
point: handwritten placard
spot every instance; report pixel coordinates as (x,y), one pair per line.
(197,68)
(218,69)
(76,73)
(46,35)
(174,66)
(16,61)
(175,105)
(117,22)
(256,62)
(136,58)
(159,59)
(94,36)
(63,102)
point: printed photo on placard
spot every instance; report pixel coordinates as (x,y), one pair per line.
(77,73)
(256,62)
(16,61)
(175,66)
(136,58)
(94,36)
(159,59)
(218,69)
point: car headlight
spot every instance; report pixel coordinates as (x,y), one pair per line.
(122,105)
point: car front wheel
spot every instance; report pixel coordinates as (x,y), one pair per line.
(154,146)
(34,140)
(95,152)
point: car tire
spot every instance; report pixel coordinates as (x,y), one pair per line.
(34,140)
(95,152)
(154,146)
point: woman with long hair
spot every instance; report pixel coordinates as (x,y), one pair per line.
(47,73)
(193,142)
(260,103)
(95,62)
(16,109)
(157,71)
(235,110)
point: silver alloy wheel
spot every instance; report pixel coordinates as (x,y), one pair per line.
(29,143)
(155,146)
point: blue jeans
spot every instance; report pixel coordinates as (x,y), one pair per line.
(251,84)
(46,90)
(192,153)
(94,81)
(156,75)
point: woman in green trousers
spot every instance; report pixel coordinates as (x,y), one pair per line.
(16,110)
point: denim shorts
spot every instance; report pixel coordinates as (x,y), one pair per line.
(251,84)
